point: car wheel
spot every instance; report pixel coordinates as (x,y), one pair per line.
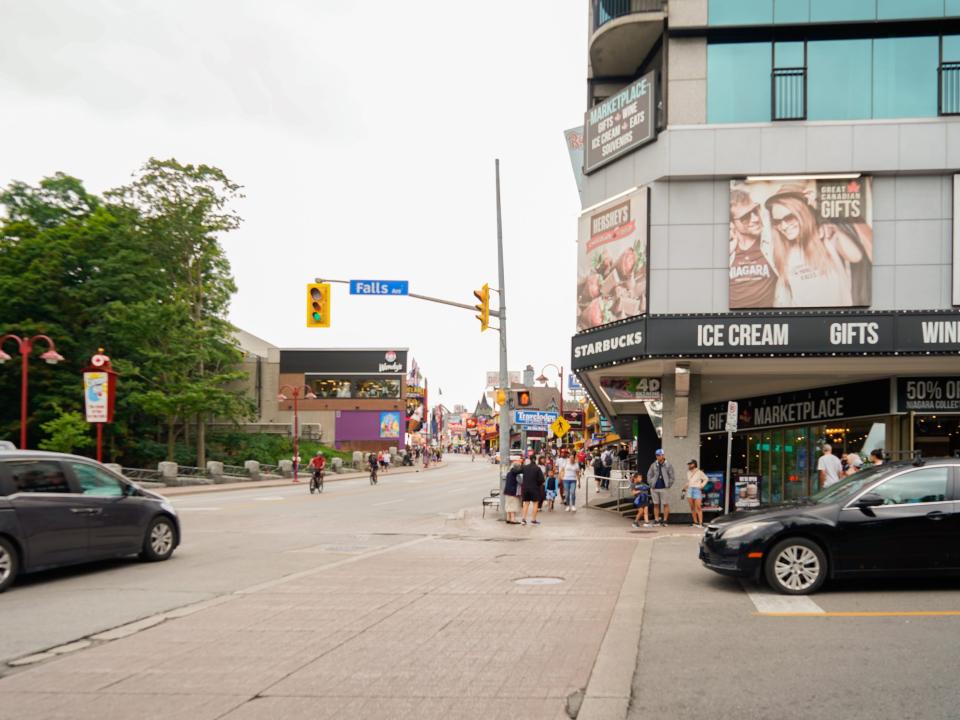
(796,566)
(160,540)
(9,564)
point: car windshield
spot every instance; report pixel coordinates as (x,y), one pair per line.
(841,491)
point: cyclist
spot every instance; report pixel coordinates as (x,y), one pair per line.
(318,464)
(374,464)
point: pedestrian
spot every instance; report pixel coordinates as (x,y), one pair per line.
(854,463)
(532,481)
(622,456)
(607,467)
(386,460)
(694,492)
(552,484)
(828,467)
(660,476)
(570,476)
(641,499)
(296,467)
(582,459)
(511,491)
(876,456)
(598,470)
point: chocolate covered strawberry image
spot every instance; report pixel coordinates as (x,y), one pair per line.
(590,287)
(592,315)
(626,263)
(603,263)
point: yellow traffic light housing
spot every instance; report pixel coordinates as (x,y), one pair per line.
(483,307)
(318,305)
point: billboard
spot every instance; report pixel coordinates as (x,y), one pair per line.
(612,252)
(389,425)
(631,388)
(801,243)
(96,395)
(956,240)
(620,124)
(493,378)
(574,140)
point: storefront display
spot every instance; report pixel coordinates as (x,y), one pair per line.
(355,387)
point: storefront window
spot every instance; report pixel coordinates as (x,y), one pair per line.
(332,388)
(377,388)
(936,435)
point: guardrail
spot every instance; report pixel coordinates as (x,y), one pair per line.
(606,10)
(140,474)
(236,471)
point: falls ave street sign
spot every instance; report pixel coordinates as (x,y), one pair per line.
(379,287)
(540,419)
(560,426)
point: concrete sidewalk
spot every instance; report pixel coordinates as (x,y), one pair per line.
(304,479)
(414,626)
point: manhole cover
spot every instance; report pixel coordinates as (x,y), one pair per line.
(538,581)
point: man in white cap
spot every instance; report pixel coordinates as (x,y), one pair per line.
(660,477)
(854,463)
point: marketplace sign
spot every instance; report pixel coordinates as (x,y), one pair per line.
(620,124)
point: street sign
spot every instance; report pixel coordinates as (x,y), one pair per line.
(732,409)
(379,287)
(540,419)
(560,426)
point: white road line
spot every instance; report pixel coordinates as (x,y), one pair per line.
(767,601)
(389,502)
(198,509)
(269,498)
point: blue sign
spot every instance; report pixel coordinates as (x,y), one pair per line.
(379,287)
(534,418)
(573,384)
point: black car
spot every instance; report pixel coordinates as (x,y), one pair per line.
(60,509)
(900,519)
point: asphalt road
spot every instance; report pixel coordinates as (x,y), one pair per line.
(234,540)
(715,647)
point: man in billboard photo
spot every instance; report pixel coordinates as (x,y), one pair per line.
(752,276)
(813,261)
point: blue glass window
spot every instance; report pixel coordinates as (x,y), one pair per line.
(738,82)
(951,48)
(905,77)
(952,7)
(892,9)
(792,11)
(839,79)
(740,12)
(821,10)
(788,55)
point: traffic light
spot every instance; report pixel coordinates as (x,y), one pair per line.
(483,295)
(318,305)
(523,398)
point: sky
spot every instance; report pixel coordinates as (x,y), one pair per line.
(364,134)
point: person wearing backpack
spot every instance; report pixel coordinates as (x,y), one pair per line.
(607,468)
(641,499)
(598,470)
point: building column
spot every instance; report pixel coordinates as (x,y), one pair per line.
(681,435)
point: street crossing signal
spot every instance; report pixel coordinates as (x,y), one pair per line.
(318,305)
(523,398)
(483,307)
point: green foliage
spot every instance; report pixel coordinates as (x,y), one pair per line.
(139,272)
(66,433)
(234,448)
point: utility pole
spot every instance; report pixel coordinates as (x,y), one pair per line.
(504,375)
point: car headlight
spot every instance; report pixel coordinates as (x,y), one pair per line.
(747,528)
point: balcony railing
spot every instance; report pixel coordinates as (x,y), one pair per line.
(788,96)
(606,10)
(948,90)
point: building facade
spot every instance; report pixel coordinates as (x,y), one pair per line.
(769,199)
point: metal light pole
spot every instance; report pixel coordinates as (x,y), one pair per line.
(25,348)
(504,375)
(543,379)
(295,394)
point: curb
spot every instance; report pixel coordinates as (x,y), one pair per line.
(255,484)
(610,687)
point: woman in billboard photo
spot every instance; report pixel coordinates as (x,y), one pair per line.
(814,262)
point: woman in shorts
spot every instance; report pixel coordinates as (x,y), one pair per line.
(694,491)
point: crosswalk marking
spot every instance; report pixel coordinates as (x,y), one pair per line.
(768,602)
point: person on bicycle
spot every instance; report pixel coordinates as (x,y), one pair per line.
(374,464)
(318,464)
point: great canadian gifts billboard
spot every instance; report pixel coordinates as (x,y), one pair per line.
(612,252)
(801,243)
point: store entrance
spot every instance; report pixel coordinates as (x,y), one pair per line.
(786,458)
(936,435)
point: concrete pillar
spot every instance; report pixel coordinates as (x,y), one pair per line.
(115,467)
(168,472)
(253,467)
(215,471)
(337,464)
(679,448)
(286,468)
(358,459)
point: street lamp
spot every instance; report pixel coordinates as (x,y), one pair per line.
(25,348)
(295,394)
(543,379)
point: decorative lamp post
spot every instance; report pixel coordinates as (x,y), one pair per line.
(543,379)
(25,348)
(295,395)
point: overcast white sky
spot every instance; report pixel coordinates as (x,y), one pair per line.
(364,133)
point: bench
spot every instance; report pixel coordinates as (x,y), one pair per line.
(492,500)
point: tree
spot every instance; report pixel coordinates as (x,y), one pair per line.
(67,433)
(182,210)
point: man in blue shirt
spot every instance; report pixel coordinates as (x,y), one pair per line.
(660,476)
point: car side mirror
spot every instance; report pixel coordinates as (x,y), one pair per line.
(869,500)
